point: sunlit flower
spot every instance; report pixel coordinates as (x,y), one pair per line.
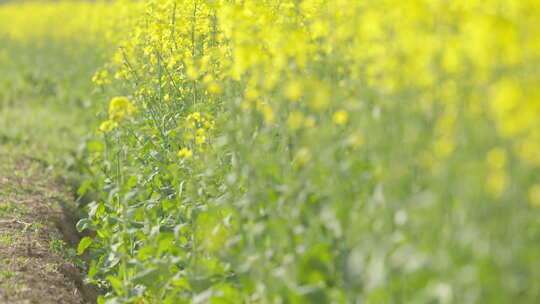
(119,107)
(185,153)
(340,117)
(108,125)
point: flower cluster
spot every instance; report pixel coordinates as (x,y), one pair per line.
(119,108)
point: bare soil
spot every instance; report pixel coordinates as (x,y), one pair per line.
(37,261)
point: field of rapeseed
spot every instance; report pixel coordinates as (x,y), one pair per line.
(306,151)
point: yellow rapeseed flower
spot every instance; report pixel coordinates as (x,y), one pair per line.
(185,153)
(214,88)
(294,90)
(268,113)
(200,139)
(119,107)
(443,147)
(340,117)
(101,77)
(108,125)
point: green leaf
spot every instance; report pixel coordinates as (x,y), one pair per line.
(84,187)
(95,146)
(83,244)
(83,224)
(92,270)
(148,276)
(116,284)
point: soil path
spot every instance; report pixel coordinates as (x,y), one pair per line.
(37,261)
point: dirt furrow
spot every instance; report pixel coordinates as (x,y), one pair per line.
(37,261)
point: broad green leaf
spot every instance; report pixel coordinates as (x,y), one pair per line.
(83,244)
